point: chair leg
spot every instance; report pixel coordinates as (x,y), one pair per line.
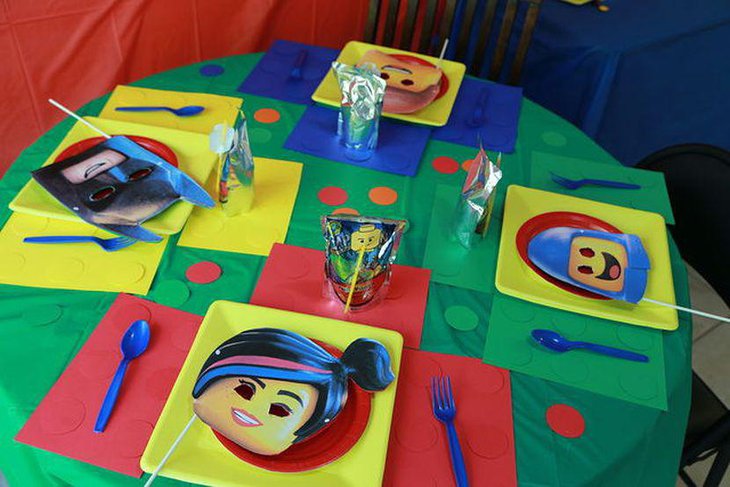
(719,466)
(686,478)
(718,434)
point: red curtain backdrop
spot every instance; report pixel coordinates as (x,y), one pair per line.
(77,50)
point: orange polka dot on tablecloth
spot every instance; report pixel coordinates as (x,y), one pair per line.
(445,165)
(345,211)
(332,195)
(267,115)
(383,195)
(467,164)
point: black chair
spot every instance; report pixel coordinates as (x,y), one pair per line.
(436,17)
(698,181)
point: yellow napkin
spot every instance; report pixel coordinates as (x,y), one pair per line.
(276,184)
(218,109)
(81,266)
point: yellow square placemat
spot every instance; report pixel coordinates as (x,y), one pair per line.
(276,184)
(81,266)
(218,108)
(516,278)
(436,114)
(200,458)
(193,155)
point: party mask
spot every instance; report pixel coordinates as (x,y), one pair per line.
(117,184)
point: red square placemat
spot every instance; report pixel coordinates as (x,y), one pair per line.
(418,451)
(293,277)
(64,421)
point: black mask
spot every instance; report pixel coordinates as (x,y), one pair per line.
(116,185)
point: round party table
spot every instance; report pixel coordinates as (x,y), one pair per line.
(622,443)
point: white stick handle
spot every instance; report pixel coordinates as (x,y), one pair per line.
(69,112)
(688,310)
(443,52)
(170,452)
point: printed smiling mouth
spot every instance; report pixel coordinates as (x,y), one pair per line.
(612,269)
(243,418)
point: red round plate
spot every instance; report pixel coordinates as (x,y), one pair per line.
(417,60)
(152,145)
(324,447)
(540,223)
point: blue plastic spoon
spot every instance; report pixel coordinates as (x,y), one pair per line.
(187,111)
(556,342)
(134,343)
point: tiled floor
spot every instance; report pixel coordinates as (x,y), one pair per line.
(709,355)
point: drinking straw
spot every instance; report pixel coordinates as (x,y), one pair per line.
(69,112)
(170,451)
(354,279)
(443,51)
(687,310)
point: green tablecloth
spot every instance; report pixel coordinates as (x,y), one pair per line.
(623,444)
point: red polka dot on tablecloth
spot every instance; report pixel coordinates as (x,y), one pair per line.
(203,272)
(267,115)
(345,211)
(332,195)
(565,420)
(445,165)
(467,164)
(383,195)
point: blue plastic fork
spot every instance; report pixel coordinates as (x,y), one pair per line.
(575,184)
(108,244)
(444,408)
(296,72)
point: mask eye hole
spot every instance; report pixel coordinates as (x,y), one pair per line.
(585,269)
(586,252)
(102,194)
(246,390)
(384,75)
(140,174)
(279,409)
(407,82)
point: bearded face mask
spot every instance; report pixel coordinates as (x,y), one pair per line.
(116,185)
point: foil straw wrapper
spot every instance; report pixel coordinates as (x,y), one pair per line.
(474,209)
(239,169)
(370,242)
(363,91)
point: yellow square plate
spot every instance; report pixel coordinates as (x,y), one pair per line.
(436,114)
(516,278)
(200,458)
(193,156)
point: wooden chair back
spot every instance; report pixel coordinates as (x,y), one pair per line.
(423,25)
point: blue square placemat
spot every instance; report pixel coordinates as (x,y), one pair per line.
(497,122)
(399,148)
(272,75)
